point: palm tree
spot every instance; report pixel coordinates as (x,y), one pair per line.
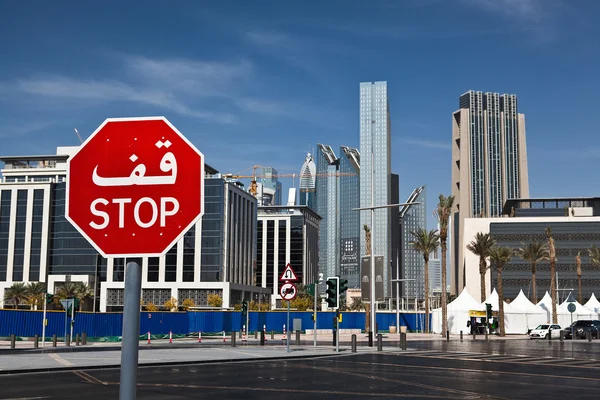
(499,257)
(82,292)
(578,263)
(17,293)
(357,304)
(594,254)
(444,209)
(481,247)
(552,258)
(67,290)
(37,290)
(534,252)
(426,242)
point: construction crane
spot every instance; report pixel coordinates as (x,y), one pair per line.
(253,190)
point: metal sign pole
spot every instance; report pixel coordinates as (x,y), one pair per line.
(287,339)
(315,316)
(131,330)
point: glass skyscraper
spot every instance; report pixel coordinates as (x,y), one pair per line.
(269,180)
(349,221)
(375,150)
(308,181)
(489,163)
(412,218)
(326,199)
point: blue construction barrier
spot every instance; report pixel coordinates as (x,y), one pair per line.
(28,323)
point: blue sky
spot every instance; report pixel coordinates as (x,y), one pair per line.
(262,82)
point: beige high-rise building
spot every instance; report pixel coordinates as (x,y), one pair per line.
(489,164)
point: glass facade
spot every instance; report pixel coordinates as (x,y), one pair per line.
(270,181)
(20,225)
(412,260)
(213,222)
(5,206)
(308,179)
(36,234)
(326,199)
(70,253)
(349,220)
(375,177)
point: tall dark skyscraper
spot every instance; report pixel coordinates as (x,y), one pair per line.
(489,163)
(349,221)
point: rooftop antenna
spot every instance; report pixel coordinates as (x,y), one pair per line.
(79,136)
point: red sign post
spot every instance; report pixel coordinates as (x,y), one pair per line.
(135,187)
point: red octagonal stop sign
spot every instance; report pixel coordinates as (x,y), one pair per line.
(135,187)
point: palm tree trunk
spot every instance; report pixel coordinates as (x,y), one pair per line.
(482,269)
(579,288)
(553,290)
(500,304)
(533,285)
(444,305)
(426,296)
(368,317)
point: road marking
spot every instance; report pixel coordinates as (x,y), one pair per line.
(454,369)
(308,391)
(461,393)
(242,352)
(60,360)
(26,398)
(89,378)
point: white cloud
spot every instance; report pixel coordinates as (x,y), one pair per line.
(530,10)
(432,144)
(111,90)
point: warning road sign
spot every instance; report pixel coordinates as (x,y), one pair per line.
(288,274)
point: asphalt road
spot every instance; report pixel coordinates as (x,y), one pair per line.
(414,375)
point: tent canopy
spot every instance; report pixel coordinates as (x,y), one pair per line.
(593,304)
(522,304)
(465,302)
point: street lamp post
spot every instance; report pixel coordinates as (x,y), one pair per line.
(372,277)
(398,297)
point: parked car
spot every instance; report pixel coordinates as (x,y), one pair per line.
(542,331)
(582,327)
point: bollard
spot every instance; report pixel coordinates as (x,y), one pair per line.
(297,338)
(461,335)
(379,342)
(84,338)
(13,341)
(36,340)
(77,339)
(562,336)
(589,335)
(376,327)
(370,339)
(474,336)
(334,338)
(54,340)
(232,339)
(67,340)
(486,336)
(170,337)
(255,334)
(354,343)
(262,338)
(403,337)
(447,336)
(272,335)
(549,335)
(240,334)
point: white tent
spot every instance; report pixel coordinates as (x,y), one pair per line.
(581,312)
(458,313)
(594,306)
(493,300)
(523,315)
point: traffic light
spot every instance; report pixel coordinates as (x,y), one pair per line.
(488,311)
(244,308)
(49,298)
(343,285)
(333,294)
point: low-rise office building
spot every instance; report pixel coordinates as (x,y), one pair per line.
(38,244)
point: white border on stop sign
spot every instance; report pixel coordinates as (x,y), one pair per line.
(182,233)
